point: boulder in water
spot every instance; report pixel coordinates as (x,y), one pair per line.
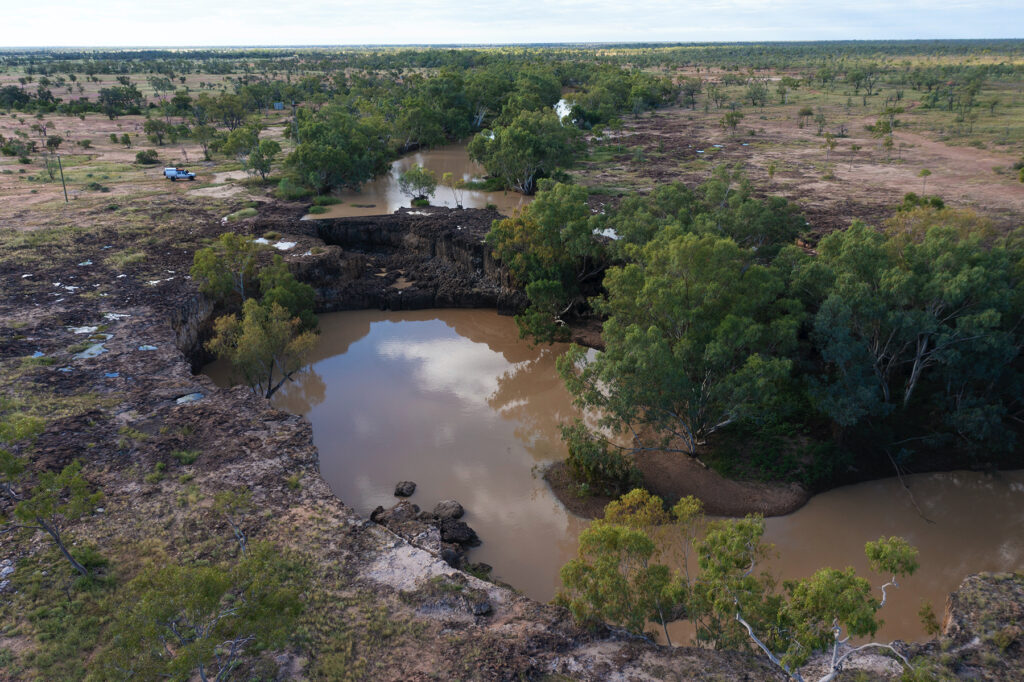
(448,509)
(458,532)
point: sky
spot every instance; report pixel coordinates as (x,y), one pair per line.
(171,23)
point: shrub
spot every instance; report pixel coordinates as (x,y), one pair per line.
(291,190)
(326,200)
(186,456)
(912,200)
(597,464)
(317,209)
(147,157)
(239,215)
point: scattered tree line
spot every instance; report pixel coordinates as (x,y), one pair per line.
(621,577)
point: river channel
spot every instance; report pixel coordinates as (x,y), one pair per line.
(454,400)
(382,195)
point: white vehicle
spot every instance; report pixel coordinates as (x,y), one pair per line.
(178,174)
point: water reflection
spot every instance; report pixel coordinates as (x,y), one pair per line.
(306,392)
(456,402)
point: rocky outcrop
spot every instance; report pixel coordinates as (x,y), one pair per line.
(189,321)
(414,259)
(411,260)
(982,632)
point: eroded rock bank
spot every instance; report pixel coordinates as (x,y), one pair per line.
(414,259)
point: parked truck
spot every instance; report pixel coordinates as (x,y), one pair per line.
(178,174)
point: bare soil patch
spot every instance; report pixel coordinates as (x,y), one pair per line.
(678,144)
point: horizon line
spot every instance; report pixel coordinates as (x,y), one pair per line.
(592,43)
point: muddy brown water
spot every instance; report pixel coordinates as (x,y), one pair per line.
(453,400)
(382,196)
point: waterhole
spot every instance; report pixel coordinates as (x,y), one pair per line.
(456,402)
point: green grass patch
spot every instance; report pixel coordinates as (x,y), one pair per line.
(65,616)
(186,456)
(241,214)
(122,260)
(157,474)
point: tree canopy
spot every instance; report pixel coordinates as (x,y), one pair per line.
(533,143)
(550,249)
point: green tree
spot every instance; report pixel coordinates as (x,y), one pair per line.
(241,142)
(728,584)
(532,144)
(418,182)
(550,250)
(227,266)
(615,580)
(147,157)
(595,463)
(456,185)
(118,100)
(923,174)
(829,145)
(336,149)
(731,119)
(181,622)
(267,345)
(697,338)
(261,157)
(204,135)
(155,130)
(278,285)
(56,500)
(925,320)
(757,92)
(419,125)
(819,610)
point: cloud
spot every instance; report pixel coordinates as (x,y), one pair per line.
(458,366)
(313,22)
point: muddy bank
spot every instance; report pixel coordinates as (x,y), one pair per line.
(672,476)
